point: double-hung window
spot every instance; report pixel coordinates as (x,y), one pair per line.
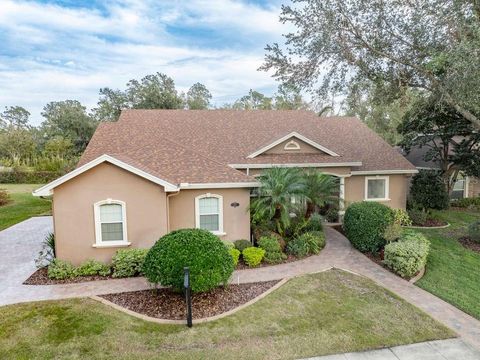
(376,188)
(209,213)
(110,223)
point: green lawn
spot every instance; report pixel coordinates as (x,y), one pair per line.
(453,272)
(324,313)
(23,206)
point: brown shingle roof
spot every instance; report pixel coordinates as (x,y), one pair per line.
(196,146)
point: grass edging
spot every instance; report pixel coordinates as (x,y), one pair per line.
(195,321)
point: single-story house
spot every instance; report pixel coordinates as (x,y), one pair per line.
(464,186)
(154,171)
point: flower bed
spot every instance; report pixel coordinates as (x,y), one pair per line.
(165,303)
(40,277)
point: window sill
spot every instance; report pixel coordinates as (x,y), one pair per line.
(218,233)
(118,244)
(380,200)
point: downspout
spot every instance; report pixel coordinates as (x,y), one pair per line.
(168,208)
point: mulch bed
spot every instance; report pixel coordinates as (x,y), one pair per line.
(433,223)
(164,303)
(469,244)
(40,277)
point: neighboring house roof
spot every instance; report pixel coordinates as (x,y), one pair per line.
(194,148)
(416,157)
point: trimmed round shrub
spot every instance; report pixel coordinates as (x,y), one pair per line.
(242,244)
(273,251)
(474,231)
(407,256)
(60,269)
(235,253)
(401,217)
(128,262)
(364,224)
(91,268)
(429,191)
(418,217)
(306,244)
(253,256)
(207,257)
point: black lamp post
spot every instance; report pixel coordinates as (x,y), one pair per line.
(188,295)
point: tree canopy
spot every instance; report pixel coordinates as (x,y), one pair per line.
(430,45)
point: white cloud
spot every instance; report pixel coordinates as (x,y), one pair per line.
(54,53)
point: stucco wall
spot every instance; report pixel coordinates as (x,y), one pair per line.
(398,186)
(236,220)
(74,217)
(473,187)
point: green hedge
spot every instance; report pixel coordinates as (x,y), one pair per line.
(128,262)
(28,177)
(253,256)
(473,202)
(207,257)
(364,224)
(273,251)
(407,256)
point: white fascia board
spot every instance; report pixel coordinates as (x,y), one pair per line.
(219,185)
(384,172)
(47,190)
(301,165)
(286,137)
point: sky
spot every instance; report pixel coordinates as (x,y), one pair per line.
(53,50)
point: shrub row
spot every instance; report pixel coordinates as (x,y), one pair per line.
(408,255)
(28,177)
(273,251)
(473,202)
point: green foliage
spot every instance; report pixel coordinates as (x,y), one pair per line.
(60,270)
(417,217)
(365,223)
(474,231)
(28,177)
(242,244)
(235,255)
(273,251)
(306,244)
(315,223)
(392,232)
(320,190)
(467,203)
(401,217)
(332,215)
(253,101)
(128,262)
(4,197)
(207,257)
(228,244)
(429,191)
(91,268)
(253,256)
(47,254)
(407,256)
(198,97)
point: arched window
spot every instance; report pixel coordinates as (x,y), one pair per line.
(110,223)
(292,145)
(209,213)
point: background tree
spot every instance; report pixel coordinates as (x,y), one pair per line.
(58,147)
(70,120)
(253,101)
(17,145)
(110,105)
(14,116)
(288,97)
(198,97)
(427,45)
(451,140)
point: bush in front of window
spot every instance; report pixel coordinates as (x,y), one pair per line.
(273,251)
(128,262)
(364,224)
(407,256)
(428,191)
(207,257)
(91,268)
(253,256)
(60,270)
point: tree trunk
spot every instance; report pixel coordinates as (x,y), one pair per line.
(310,210)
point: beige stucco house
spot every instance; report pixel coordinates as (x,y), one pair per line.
(155,171)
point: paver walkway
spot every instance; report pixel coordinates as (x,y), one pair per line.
(452,349)
(21,243)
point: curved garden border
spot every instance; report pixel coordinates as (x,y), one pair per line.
(195,321)
(427,227)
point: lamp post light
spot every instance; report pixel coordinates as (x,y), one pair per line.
(188,295)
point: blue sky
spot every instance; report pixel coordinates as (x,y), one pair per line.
(68,49)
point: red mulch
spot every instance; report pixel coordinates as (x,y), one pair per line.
(469,243)
(40,277)
(164,303)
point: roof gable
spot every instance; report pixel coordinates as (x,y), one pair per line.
(293,143)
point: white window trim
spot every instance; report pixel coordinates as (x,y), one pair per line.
(291,145)
(99,243)
(387,188)
(218,232)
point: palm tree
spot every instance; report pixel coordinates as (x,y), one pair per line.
(320,190)
(274,196)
